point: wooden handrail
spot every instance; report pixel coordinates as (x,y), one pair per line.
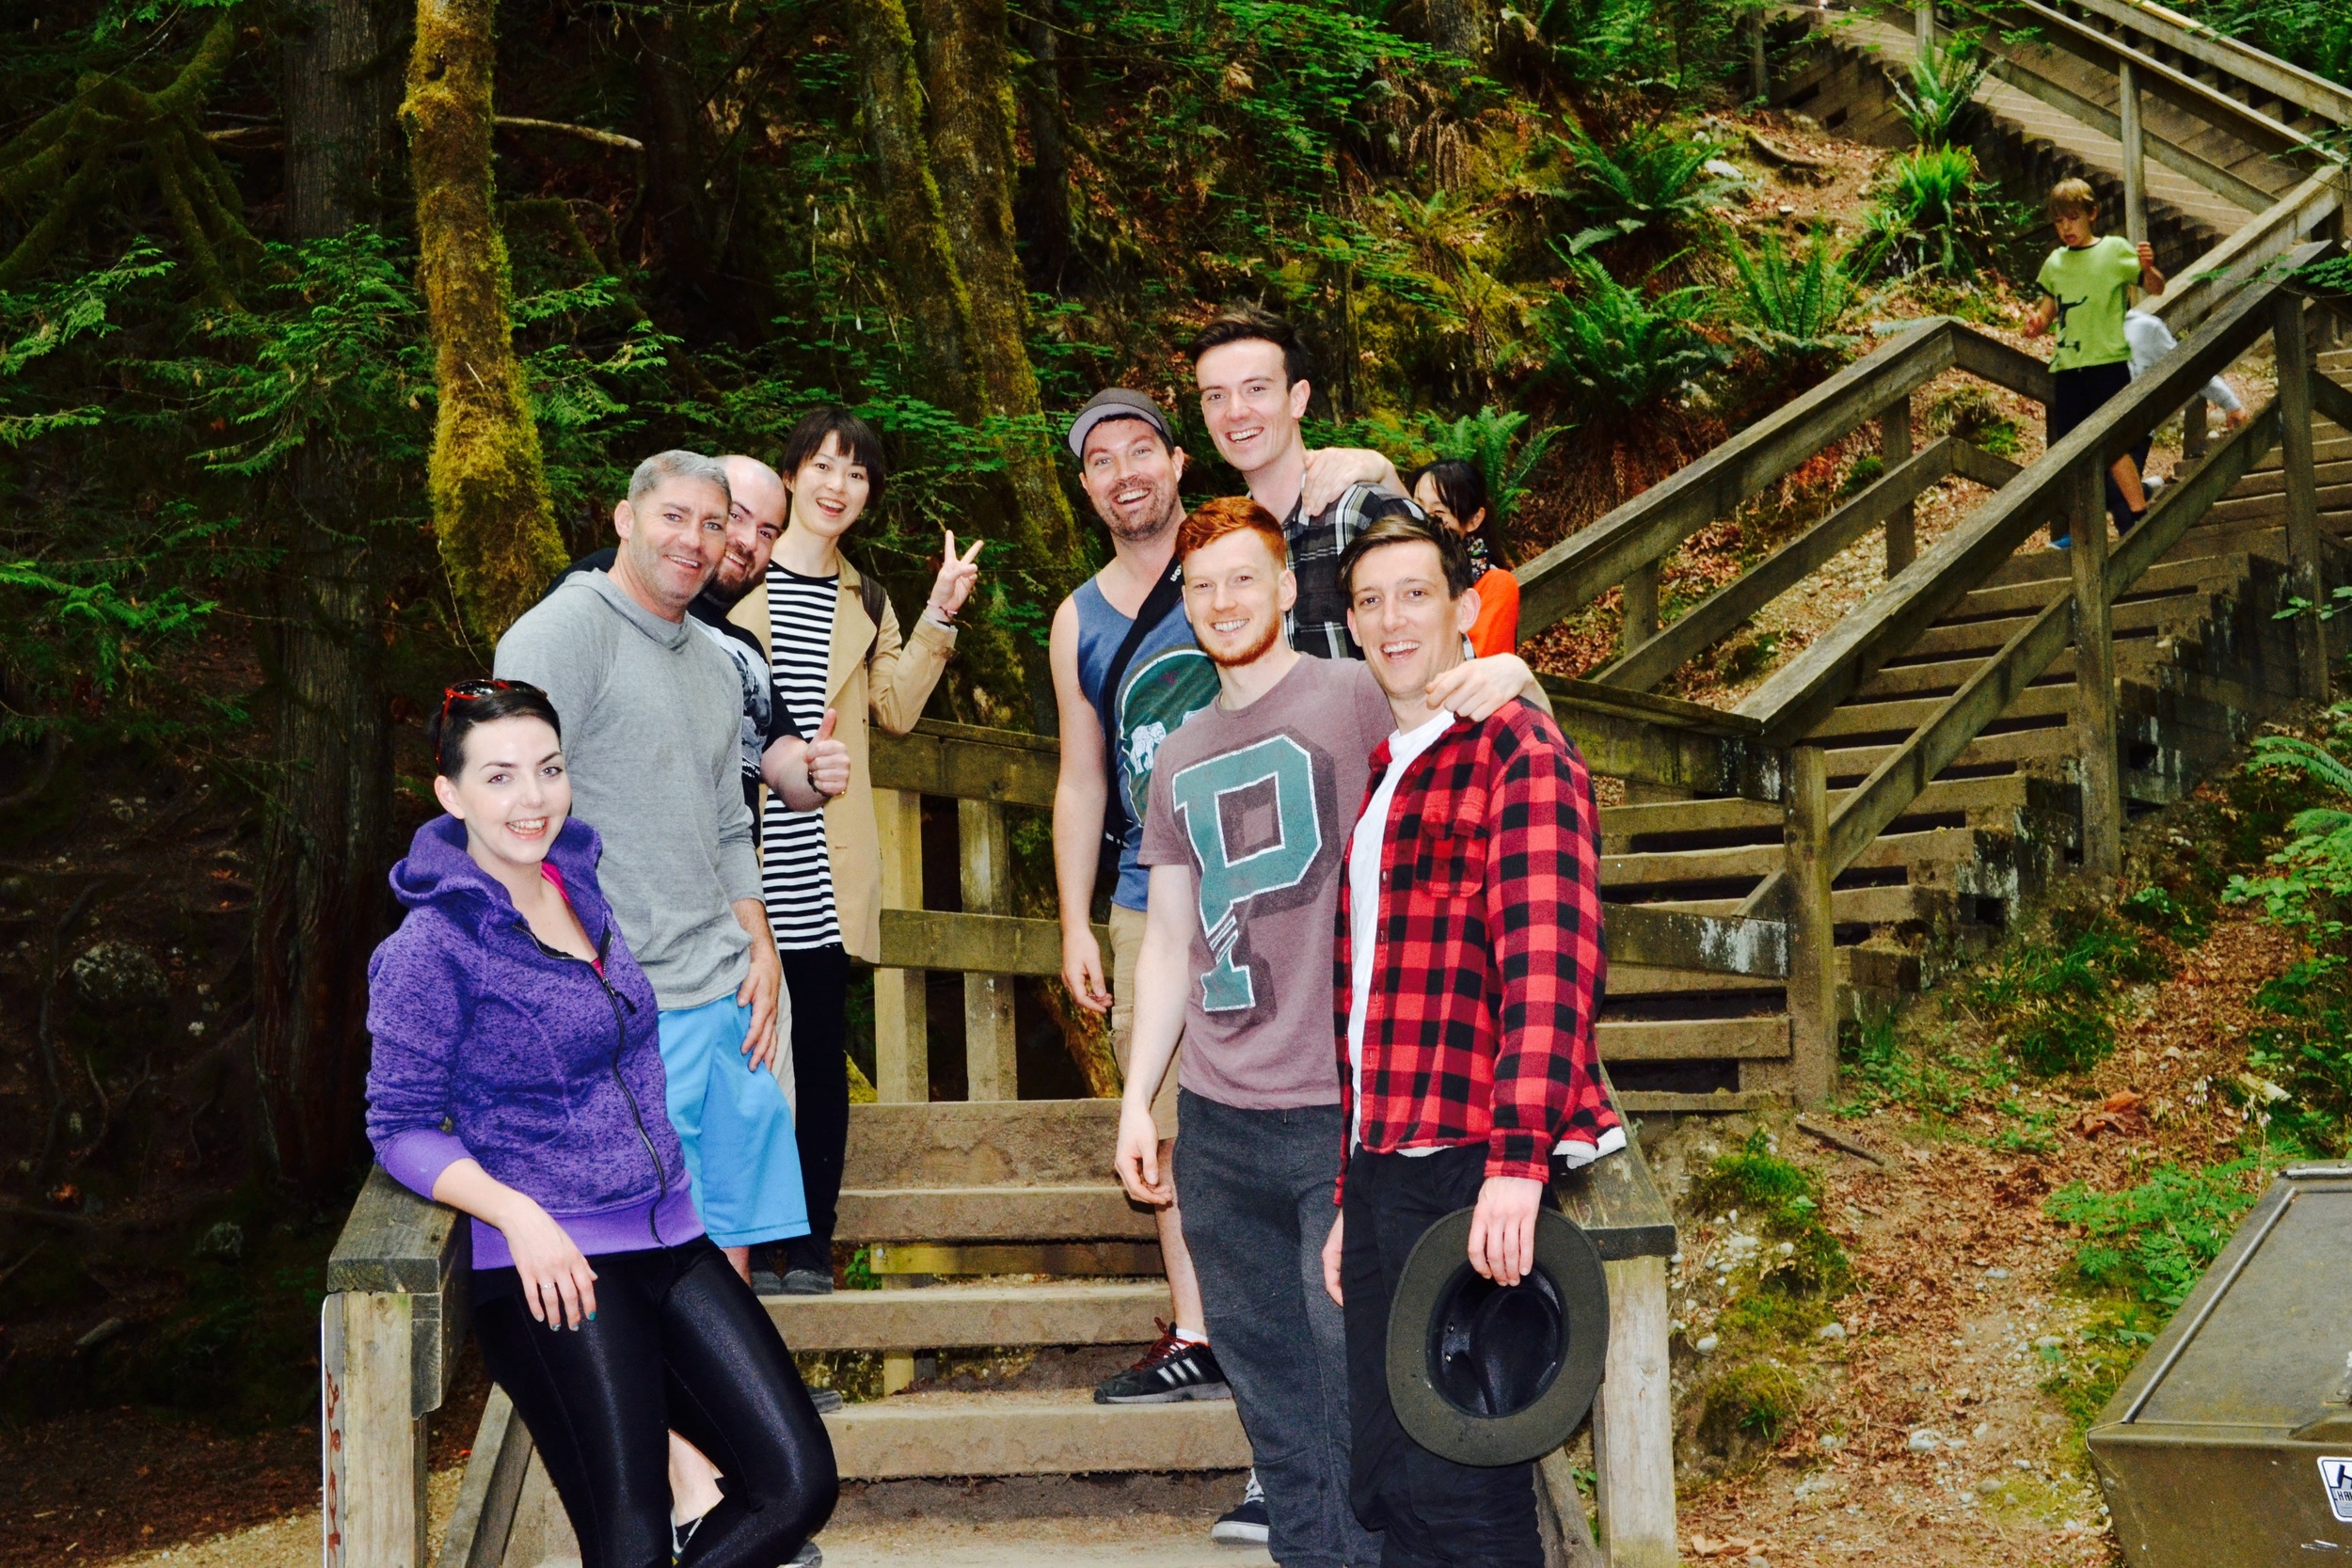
(2282,80)
(1597,557)
(1725,610)
(2202,285)
(2182,91)
(1800,695)
(395,1243)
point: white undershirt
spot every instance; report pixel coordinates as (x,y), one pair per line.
(1363,929)
(1363,898)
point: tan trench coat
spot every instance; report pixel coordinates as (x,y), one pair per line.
(893,689)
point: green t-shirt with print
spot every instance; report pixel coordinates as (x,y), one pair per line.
(2090,286)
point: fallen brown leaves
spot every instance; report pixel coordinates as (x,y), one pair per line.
(2120,1115)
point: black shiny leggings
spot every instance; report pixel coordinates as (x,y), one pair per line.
(679,1342)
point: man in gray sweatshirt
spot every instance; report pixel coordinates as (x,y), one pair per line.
(652,714)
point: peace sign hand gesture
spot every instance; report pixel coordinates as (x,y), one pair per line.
(957,577)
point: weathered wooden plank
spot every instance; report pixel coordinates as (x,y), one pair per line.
(2304,564)
(2201,100)
(973,943)
(1634,1421)
(2200,288)
(396,1242)
(2098,760)
(1621,743)
(1722,1103)
(1994,360)
(1688,1040)
(902,1058)
(2179,507)
(1797,696)
(1812,936)
(989,1036)
(1057,1257)
(964,762)
(2219,181)
(371,1441)
(1895,450)
(1582,567)
(483,1522)
(1725,610)
(1897,780)
(2331,400)
(1669,938)
(1616,1201)
(2279,78)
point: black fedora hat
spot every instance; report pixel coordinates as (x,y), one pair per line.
(1489,1374)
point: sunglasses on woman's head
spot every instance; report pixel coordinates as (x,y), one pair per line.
(466,692)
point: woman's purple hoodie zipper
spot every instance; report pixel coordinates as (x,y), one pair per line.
(491,1044)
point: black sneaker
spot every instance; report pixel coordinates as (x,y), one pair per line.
(1245,1526)
(827,1401)
(807,1282)
(1172,1370)
(766,1282)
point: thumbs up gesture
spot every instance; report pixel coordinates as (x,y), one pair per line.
(828,759)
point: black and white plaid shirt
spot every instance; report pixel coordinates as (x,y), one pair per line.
(1318,621)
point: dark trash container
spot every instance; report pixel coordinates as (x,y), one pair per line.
(2231,1443)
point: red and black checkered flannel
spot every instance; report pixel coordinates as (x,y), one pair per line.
(1480,1023)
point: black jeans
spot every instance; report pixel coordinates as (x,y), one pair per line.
(1435,1511)
(818,980)
(679,1343)
(1255,1187)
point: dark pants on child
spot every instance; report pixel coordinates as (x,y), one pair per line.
(1435,1513)
(818,980)
(1255,1187)
(678,1343)
(2081,393)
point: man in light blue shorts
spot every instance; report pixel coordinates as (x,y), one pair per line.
(652,714)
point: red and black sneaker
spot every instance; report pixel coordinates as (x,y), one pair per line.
(1170,1371)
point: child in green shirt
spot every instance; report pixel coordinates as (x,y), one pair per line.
(2086,288)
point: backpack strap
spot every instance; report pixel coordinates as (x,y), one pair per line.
(1165,597)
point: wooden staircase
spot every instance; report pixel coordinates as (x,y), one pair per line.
(2202,659)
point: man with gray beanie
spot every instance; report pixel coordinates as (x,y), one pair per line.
(652,731)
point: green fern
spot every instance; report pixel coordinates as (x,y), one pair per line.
(1931,216)
(1941,97)
(1651,179)
(1485,439)
(1620,348)
(1791,308)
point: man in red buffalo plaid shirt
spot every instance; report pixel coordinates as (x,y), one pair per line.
(1467,962)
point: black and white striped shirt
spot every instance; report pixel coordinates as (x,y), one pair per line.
(796,873)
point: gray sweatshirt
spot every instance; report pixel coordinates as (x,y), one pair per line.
(653,715)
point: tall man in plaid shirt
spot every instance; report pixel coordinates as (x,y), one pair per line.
(1244,820)
(1467,958)
(1252,373)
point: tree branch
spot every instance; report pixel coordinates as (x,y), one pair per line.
(585,132)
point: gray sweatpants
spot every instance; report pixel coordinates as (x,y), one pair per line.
(1255,1187)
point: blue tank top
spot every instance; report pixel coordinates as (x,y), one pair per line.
(1168,680)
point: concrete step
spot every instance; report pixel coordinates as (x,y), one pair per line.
(1047,1434)
(1693,1040)
(1059,1211)
(962,1317)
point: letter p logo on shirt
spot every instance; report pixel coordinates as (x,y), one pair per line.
(1277,771)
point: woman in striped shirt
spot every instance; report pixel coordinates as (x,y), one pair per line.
(834,646)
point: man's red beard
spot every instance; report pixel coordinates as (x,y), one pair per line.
(1250,656)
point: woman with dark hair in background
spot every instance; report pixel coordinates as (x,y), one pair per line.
(517,1078)
(835,647)
(1454,492)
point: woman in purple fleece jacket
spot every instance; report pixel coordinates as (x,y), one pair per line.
(517,1078)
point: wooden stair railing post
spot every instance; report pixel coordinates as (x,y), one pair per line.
(1902,539)
(1923,25)
(2095,724)
(1812,937)
(2135,152)
(903,1065)
(988,1015)
(374,1446)
(2304,567)
(1638,621)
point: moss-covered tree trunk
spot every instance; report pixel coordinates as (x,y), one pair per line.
(968,68)
(490,507)
(923,274)
(319,906)
(1049,185)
